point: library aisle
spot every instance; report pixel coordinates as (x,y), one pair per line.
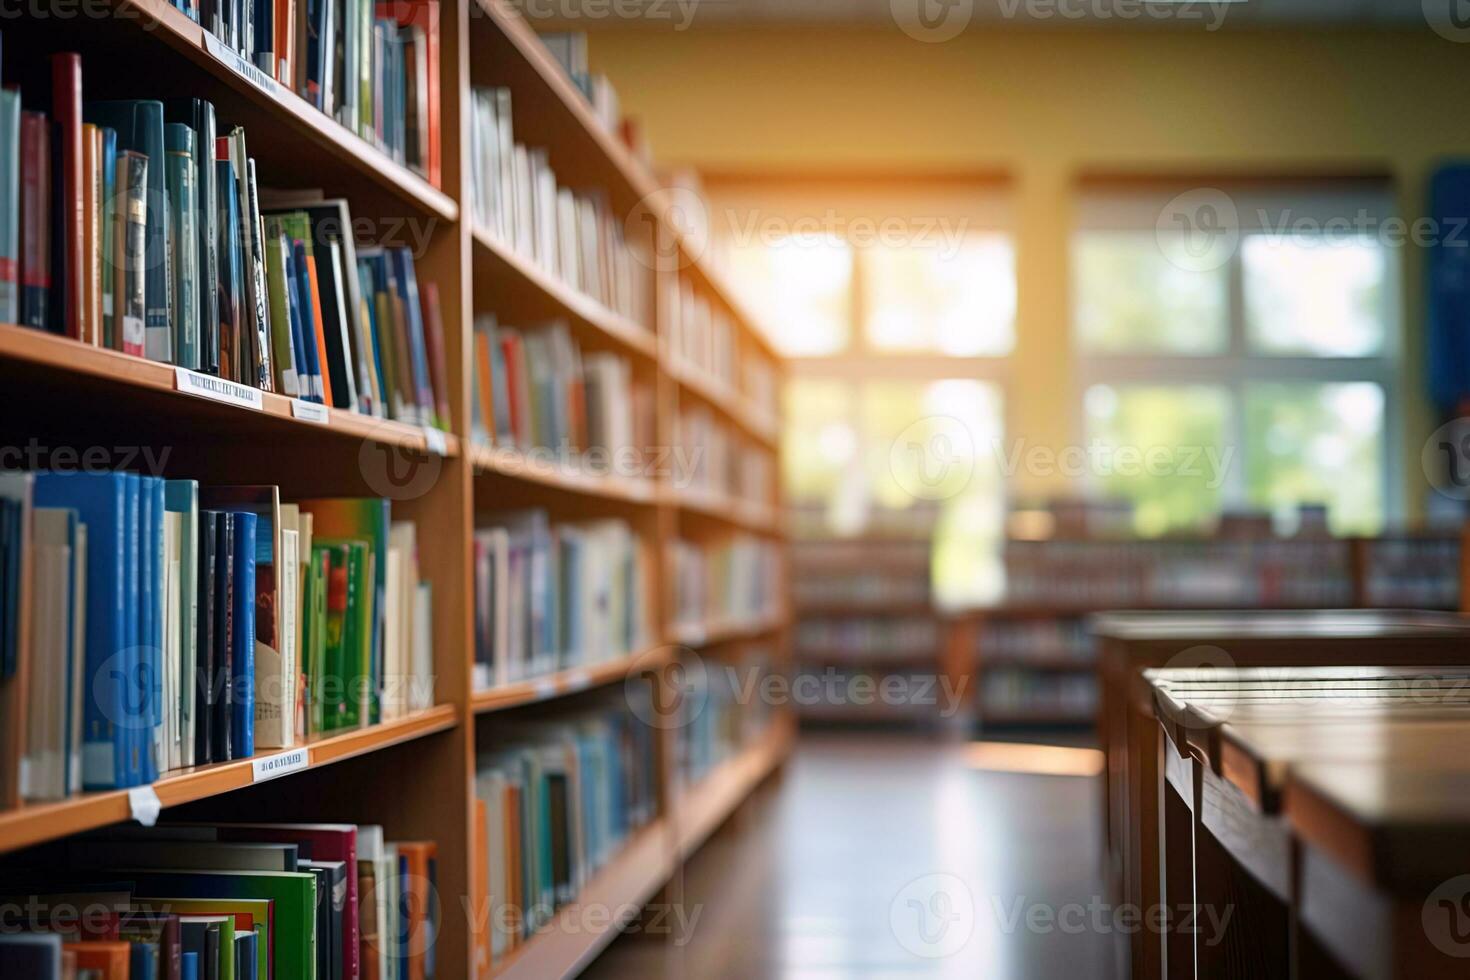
(888,855)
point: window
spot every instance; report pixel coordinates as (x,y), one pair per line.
(897,312)
(1242,343)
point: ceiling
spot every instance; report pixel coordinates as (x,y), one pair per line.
(1061,13)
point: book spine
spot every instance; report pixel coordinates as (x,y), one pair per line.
(204,669)
(282,348)
(93,237)
(224,638)
(183,202)
(10,166)
(209,271)
(228,229)
(263,373)
(305,321)
(66,106)
(243,636)
(133,227)
(35,219)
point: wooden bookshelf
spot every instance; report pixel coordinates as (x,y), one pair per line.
(67,394)
(35,823)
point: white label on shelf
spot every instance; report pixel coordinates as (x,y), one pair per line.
(435,440)
(545,688)
(292,760)
(310,411)
(143,804)
(578,680)
(237,63)
(217,389)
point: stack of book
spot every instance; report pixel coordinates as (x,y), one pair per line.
(569,48)
(152,624)
(536,389)
(719,461)
(573,236)
(1419,572)
(1047,640)
(239,901)
(553,806)
(702,336)
(139,225)
(721,711)
(372,65)
(891,637)
(736,580)
(1019,695)
(552,597)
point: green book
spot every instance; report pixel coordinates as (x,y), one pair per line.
(314,636)
(349,660)
(281,340)
(292,892)
(181,171)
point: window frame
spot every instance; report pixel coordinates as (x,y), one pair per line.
(1238,367)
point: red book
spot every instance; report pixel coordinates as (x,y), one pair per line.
(423,14)
(66,106)
(35,219)
(510,349)
(434,340)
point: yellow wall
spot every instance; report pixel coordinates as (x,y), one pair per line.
(1043,105)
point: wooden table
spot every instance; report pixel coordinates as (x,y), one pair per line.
(1325,809)
(1132,642)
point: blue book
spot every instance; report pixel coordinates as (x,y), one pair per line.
(101,502)
(154,611)
(304,379)
(247,961)
(242,638)
(307,320)
(231,274)
(109,219)
(139,125)
(401,260)
(143,960)
(31,954)
(137,714)
(189,967)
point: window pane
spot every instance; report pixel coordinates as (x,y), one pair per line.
(1315,295)
(941,298)
(802,291)
(1131,298)
(1163,448)
(819,440)
(1320,444)
(935,443)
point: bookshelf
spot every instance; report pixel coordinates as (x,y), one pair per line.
(416,775)
(863,613)
(1032,661)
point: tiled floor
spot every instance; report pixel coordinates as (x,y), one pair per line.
(879,856)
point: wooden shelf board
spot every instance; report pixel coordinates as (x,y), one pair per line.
(829,610)
(566,682)
(699,810)
(323,133)
(747,514)
(719,396)
(504,261)
(708,634)
(115,372)
(616,891)
(490,460)
(35,823)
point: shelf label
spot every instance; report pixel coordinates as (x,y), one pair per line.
(292,760)
(435,440)
(217,389)
(238,64)
(310,411)
(144,804)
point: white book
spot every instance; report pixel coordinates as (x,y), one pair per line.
(78,688)
(43,768)
(391,704)
(421,667)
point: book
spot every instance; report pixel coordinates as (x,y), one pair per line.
(198,116)
(17,495)
(183,199)
(10,181)
(35,955)
(130,303)
(35,220)
(71,300)
(140,129)
(243,635)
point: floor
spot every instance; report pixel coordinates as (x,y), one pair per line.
(889,856)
